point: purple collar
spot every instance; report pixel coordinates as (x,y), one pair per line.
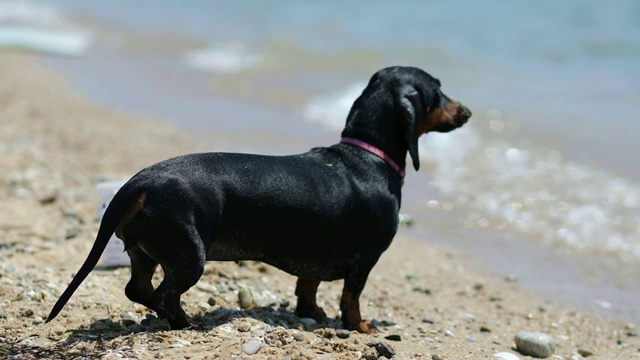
(375,151)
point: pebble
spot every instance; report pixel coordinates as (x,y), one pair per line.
(326,333)
(535,344)
(208,288)
(384,323)
(343,334)
(204,306)
(251,347)
(47,198)
(393,337)
(307,321)
(243,327)
(299,336)
(245,299)
(383,349)
(585,353)
(503,355)
(466,315)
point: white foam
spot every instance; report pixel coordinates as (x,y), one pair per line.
(533,191)
(331,110)
(31,26)
(27,12)
(223,58)
(57,42)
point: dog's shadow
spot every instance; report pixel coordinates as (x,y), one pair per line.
(265,317)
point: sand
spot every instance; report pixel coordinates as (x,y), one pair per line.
(428,301)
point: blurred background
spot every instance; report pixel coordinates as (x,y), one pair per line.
(542,183)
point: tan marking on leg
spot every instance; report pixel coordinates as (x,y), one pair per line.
(351,317)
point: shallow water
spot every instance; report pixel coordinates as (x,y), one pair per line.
(543,181)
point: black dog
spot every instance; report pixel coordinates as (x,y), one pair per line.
(323,215)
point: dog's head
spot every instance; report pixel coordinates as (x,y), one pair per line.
(419,105)
(422,105)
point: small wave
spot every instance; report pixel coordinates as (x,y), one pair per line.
(534,191)
(30,13)
(224,58)
(31,26)
(56,42)
(331,110)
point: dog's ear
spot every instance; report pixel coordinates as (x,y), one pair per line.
(409,102)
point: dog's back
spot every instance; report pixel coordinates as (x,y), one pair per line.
(306,214)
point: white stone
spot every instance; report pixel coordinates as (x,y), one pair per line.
(251,347)
(503,355)
(535,344)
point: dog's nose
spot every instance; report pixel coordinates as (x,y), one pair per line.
(465,111)
(463,114)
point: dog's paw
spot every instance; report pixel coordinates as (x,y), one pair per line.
(365,327)
(314,312)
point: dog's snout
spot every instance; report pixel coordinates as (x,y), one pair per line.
(463,113)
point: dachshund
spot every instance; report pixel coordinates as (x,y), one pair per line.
(323,215)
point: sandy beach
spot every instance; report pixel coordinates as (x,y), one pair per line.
(428,301)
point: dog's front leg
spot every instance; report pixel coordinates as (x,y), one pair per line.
(353,285)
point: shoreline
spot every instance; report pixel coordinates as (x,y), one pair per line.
(55,144)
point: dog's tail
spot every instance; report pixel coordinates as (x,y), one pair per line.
(121,202)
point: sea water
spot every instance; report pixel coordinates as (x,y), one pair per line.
(546,170)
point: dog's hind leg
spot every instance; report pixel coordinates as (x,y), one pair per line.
(306,292)
(166,298)
(139,289)
(182,259)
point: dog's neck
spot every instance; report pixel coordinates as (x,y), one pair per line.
(373,119)
(376,151)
